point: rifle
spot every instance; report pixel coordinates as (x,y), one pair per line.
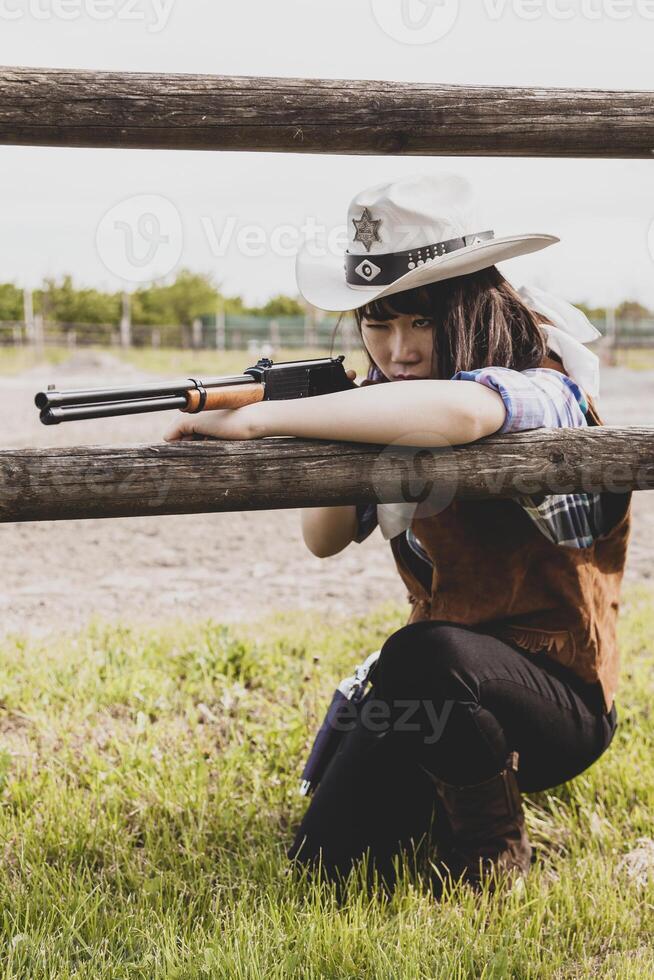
(265,381)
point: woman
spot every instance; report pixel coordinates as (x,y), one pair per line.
(504,678)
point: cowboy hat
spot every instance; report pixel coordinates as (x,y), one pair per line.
(402,234)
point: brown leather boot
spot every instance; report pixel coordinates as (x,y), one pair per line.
(485,828)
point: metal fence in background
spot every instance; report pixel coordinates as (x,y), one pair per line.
(227,332)
(626,332)
(241,332)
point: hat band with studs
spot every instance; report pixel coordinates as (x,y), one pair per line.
(386,268)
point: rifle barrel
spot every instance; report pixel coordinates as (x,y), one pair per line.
(152,389)
(52,416)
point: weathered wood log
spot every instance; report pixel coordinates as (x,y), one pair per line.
(277,473)
(56,107)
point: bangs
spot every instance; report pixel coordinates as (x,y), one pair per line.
(480,320)
(416,300)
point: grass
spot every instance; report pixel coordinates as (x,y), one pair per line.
(635,359)
(148,788)
(13,360)
(171,361)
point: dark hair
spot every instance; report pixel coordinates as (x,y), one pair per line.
(480,321)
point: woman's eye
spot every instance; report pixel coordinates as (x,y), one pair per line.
(419,321)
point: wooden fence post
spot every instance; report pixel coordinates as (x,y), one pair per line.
(310,327)
(220,330)
(612,334)
(126,322)
(39,334)
(28,315)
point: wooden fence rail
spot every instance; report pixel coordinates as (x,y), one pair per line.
(60,107)
(209,475)
(78,108)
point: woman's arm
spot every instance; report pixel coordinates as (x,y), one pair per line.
(410,413)
(327,530)
(428,413)
(405,413)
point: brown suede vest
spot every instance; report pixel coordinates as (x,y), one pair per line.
(494,570)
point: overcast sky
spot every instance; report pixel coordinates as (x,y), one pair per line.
(55,203)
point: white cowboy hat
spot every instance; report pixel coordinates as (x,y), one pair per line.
(402,234)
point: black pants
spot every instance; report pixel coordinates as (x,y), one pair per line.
(456,702)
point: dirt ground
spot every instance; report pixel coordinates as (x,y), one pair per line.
(228,566)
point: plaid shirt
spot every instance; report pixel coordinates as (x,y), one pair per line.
(534,399)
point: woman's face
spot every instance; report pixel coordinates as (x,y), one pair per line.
(401,346)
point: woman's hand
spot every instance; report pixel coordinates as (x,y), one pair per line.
(248,422)
(219,423)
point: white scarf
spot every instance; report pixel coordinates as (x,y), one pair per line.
(573,329)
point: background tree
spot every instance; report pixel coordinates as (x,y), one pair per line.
(631,310)
(190,295)
(592,312)
(11,302)
(279,305)
(63,303)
